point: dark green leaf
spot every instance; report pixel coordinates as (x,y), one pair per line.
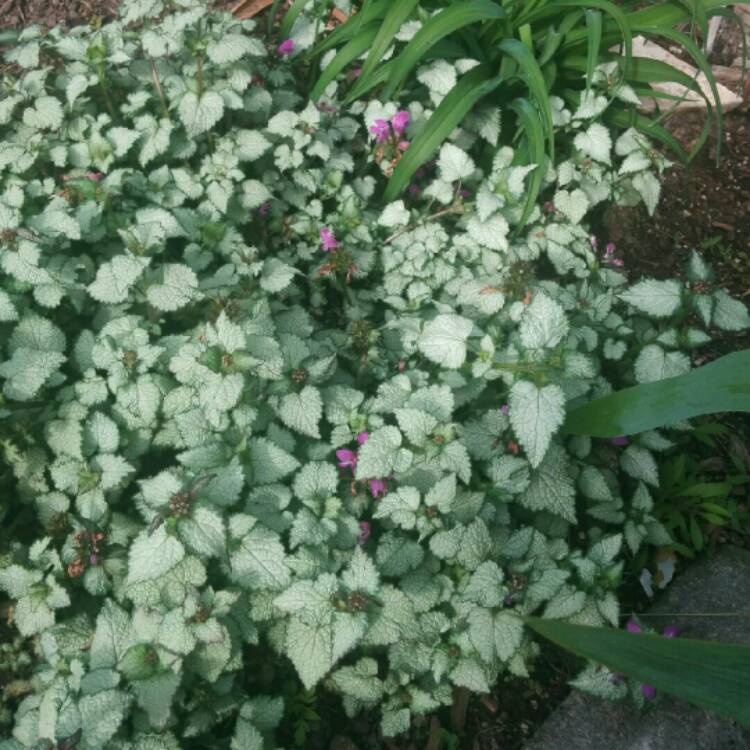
(476,84)
(722,385)
(436,28)
(712,675)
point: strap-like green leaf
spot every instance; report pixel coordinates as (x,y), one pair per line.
(535,81)
(594,30)
(529,120)
(372,10)
(348,53)
(396,15)
(607,7)
(473,86)
(628,117)
(446,22)
(722,385)
(704,66)
(290,17)
(712,675)
(668,15)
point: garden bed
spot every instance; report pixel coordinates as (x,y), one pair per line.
(277,386)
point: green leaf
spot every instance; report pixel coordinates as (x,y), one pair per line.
(476,84)
(396,15)
(530,121)
(269,462)
(551,488)
(153,555)
(349,52)
(536,414)
(660,299)
(544,324)
(717,387)
(115,278)
(443,340)
(200,113)
(495,636)
(178,287)
(379,455)
(447,21)
(302,411)
(711,675)
(534,79)
(101,715)
(260,561)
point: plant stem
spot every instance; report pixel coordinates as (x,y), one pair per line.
(103,86)
(199,74)
(452,209)
(159,91)
(459,708)
(433,741)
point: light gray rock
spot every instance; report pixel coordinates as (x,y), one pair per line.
(719,585)
(692,101)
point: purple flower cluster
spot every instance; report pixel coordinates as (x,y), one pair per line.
(381,129)
(328,240)
(670,631)
(608,257)
(286,48)
(347,459)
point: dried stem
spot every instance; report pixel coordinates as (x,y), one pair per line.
(454,208)
(199,74)
(433,742)
(459,708)
(159,90)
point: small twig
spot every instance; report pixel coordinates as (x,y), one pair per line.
(433,741)
(199,75)
(452,209)
(459,708)
(157,85)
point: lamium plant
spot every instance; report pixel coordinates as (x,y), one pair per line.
(249,409)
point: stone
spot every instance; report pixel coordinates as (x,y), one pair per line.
(718,585)
(692,100)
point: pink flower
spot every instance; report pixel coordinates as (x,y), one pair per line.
(381,130)
(400,121)
(648,691)
(414,189)
(633,627)
(362,437)
(403,145)
(346,458)
(610,248)
(377,487)
(505,409)
(93,559)
(95,176)
(671,631)
(364,532)
(356,72)
(285,48)
(328,239)
(619,441)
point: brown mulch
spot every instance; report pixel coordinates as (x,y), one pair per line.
(705,206)
(15,14)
